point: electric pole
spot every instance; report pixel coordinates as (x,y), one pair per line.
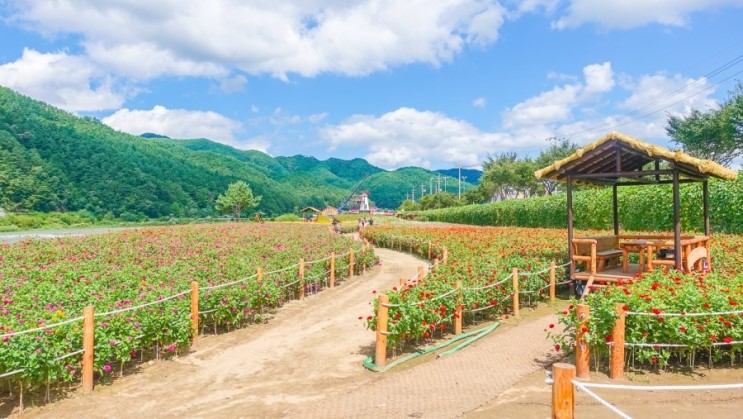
(460,182)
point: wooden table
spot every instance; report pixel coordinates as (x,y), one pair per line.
(633,246)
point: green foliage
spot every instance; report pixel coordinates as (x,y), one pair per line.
(288,217)
(640,209)
(439,200)
(716,134)
(408,205)
(238,198)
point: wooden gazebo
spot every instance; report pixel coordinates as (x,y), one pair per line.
(618,160)
(311,210)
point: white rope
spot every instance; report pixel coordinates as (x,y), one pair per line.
(443,295)
(535,273)
(676,345)
(582,387)
(152,303)
(733,386)
(719,313)
(23,332)
(491,285)
(8,374)
(291,283)
(227,284)
(208,311)
(296,265)
(556,284)
(69,355)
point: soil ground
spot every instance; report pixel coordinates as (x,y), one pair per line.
(307,362)
(531,398)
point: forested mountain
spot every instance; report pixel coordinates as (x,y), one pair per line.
(51,160)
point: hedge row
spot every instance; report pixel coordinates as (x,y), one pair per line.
(641,208)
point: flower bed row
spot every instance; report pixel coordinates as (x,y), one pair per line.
(480,258)
(671,317)
(49,282)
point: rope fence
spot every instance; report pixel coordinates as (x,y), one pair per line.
(327,275)
(565,385)
(383,305)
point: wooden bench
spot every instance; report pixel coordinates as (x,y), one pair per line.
(594,252)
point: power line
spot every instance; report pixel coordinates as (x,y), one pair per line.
(640,113)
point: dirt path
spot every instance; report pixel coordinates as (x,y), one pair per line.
(261,371)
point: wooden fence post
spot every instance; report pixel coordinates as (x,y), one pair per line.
(515,278)
(350,264)
(429,250)
(616,371)
(332,270)
(301,279)
(194,311)
(403,283)
(436,264)
(446,256)
(380,354)
(260,274)
(563,391)
(420,274)
(88,345)
(581,346)
(552,282)
(458,311)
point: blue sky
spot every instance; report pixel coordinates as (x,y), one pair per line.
(437,84)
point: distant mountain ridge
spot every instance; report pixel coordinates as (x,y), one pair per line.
(469,175)
(51,160)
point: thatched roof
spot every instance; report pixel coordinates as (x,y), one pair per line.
(619,155)
(310,209)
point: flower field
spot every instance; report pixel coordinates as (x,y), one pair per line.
(481,258)
(48,283)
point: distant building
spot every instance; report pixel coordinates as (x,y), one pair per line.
(330,211)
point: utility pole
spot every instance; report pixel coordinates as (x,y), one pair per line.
(423,189)
(444,183)
(430,184)
(438,187)
(413,194)
(460,182)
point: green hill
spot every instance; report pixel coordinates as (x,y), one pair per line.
(51,160)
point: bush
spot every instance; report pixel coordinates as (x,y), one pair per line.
(645,208)
(288,217)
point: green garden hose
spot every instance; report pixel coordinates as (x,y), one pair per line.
(469,336)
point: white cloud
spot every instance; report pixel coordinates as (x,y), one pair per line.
(233,84)
(70,82)
(626,14)
(143,40)
(408,136)
(599,78)
(480,102)
(557,105)
(177,123)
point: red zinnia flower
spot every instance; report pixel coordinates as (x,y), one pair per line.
(727,339)
(557,347)
(552,326)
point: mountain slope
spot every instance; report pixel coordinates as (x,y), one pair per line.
(51,160)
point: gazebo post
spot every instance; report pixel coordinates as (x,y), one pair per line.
(615,200)
(705,198)
(676,220)
(570,225)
